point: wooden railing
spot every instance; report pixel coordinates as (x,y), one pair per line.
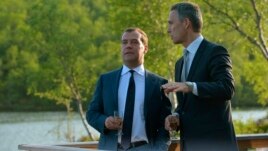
(252,141)
(79,146)
(245,142)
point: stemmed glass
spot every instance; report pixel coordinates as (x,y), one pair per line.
(173,125)
(119,118)
(173,122)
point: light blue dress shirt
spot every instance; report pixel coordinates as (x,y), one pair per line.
(138,127)
(192,49)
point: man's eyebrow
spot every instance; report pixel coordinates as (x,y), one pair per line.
(129,39)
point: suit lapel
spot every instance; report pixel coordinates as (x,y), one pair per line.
(178,70)
(196,60)
(194,65)
(149,87)
(115,87)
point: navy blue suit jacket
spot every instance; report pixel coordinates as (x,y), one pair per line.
(206,121)
(105,101)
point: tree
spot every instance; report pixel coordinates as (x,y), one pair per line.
(249,20)
(16,62)
(162,54)
(256,38)
(65,57)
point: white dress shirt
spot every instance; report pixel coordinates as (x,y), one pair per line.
(192,49)
(138,127)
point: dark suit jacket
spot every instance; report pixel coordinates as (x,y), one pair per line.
(105,100)
(206,122)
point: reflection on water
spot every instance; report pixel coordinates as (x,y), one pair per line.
(244,115)
(37,128)
(51,127)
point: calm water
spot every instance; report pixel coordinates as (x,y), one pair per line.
(37,128)
(51,127)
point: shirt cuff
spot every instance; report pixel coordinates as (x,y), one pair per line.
(195,91)
(175,114)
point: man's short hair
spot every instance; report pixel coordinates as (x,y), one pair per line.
(144,37)
(192,12)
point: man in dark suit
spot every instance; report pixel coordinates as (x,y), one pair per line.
(204,85)
(143,114)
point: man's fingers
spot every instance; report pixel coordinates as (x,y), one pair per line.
(166,92)
(168,85)
(167,123)
(112,123)
(177,89)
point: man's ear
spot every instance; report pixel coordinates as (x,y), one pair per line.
(186,23)
(145,49)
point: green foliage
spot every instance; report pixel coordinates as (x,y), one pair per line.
(16,60)
(248,62)
(160,58)
(251,126)
(257,76)
(245,95)
(69,54)
(56,50)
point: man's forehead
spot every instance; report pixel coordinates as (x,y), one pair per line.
(131,35)
(173,14)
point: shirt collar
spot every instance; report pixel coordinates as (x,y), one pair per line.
(192,48)
(140,70)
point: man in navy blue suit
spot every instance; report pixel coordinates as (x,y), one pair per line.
(204,85)
(143,107)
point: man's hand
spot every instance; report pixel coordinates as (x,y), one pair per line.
(113,123)
(175,87)
(172,122)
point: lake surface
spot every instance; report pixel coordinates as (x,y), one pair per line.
(51,127)
(37,128)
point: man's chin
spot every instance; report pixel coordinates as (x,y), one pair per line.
(129,58)
(131,62)
(176,42)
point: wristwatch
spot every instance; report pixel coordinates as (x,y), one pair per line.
(190,85)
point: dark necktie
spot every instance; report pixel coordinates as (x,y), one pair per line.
(128,115)
(184,72)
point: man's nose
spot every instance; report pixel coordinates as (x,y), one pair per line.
(128,44)
(168,30)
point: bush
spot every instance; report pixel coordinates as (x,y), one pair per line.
(251,126)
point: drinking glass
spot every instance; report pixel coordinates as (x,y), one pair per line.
(173,133)
(119,119)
